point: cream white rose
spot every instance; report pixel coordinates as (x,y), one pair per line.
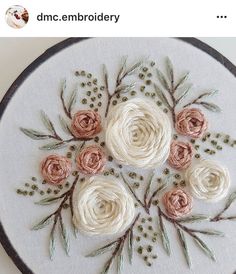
(208,180)
(102,206)
(138,133)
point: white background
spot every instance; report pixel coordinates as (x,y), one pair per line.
(138,18)
(16,54)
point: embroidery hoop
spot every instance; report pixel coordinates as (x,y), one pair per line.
(5,241)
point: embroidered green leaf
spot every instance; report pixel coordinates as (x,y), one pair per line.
(170,70)
(162,79)
(33,134)
(184,246)
(64,86)
(47,122)
(75,230)
(163,186)
(120,260)
(105,75)
(122,69)
(64,125)
(184,94)
(63,90)
(208,94)
(194,218)
(102,250)
(47,201)
(78,149)
(149,185)
(125,88)
(232,218)
(230,200)
(65,237)
(205,248)
(164,236)
(211,232)
(182,80)
(107,266)
(133,68)
(130,246)
(162,96)
(52,244)
(72,101)
(46,221)
(53,145)
(131,190)
(210,106)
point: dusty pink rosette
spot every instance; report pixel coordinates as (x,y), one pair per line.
(55,169)
(91,160)
(181,155)
(191,122)
(177,203)
(86,124)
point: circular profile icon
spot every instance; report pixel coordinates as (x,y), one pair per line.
(17,17)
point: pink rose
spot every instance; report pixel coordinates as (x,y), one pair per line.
(55,169)
(180,155)
(91,160)
(177,203)
(86,124)
(191,122)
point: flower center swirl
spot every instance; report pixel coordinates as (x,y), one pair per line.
(144,133)
(208,180)
(102,207)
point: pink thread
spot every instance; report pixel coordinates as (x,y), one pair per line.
(191,122)
(86,124)
(91,160)
(55,169)
(181,155)
(177,203)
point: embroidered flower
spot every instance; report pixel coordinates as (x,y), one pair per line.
(208,180)
(180,155)
(86,124)
(138,133)
(177,203)
(55,169)
(91,160)
(102,206)
(191,122)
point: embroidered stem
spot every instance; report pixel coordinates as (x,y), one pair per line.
(76,139)
(134,194)
(67,195)
(176,223)
(68,113)
(109,95)
(196,101)
(229,202)
(174,104)
(146,204)
(122,74)
(119,245)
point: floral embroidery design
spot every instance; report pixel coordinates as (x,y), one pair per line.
(150,125)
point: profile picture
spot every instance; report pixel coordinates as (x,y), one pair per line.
(17,17)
